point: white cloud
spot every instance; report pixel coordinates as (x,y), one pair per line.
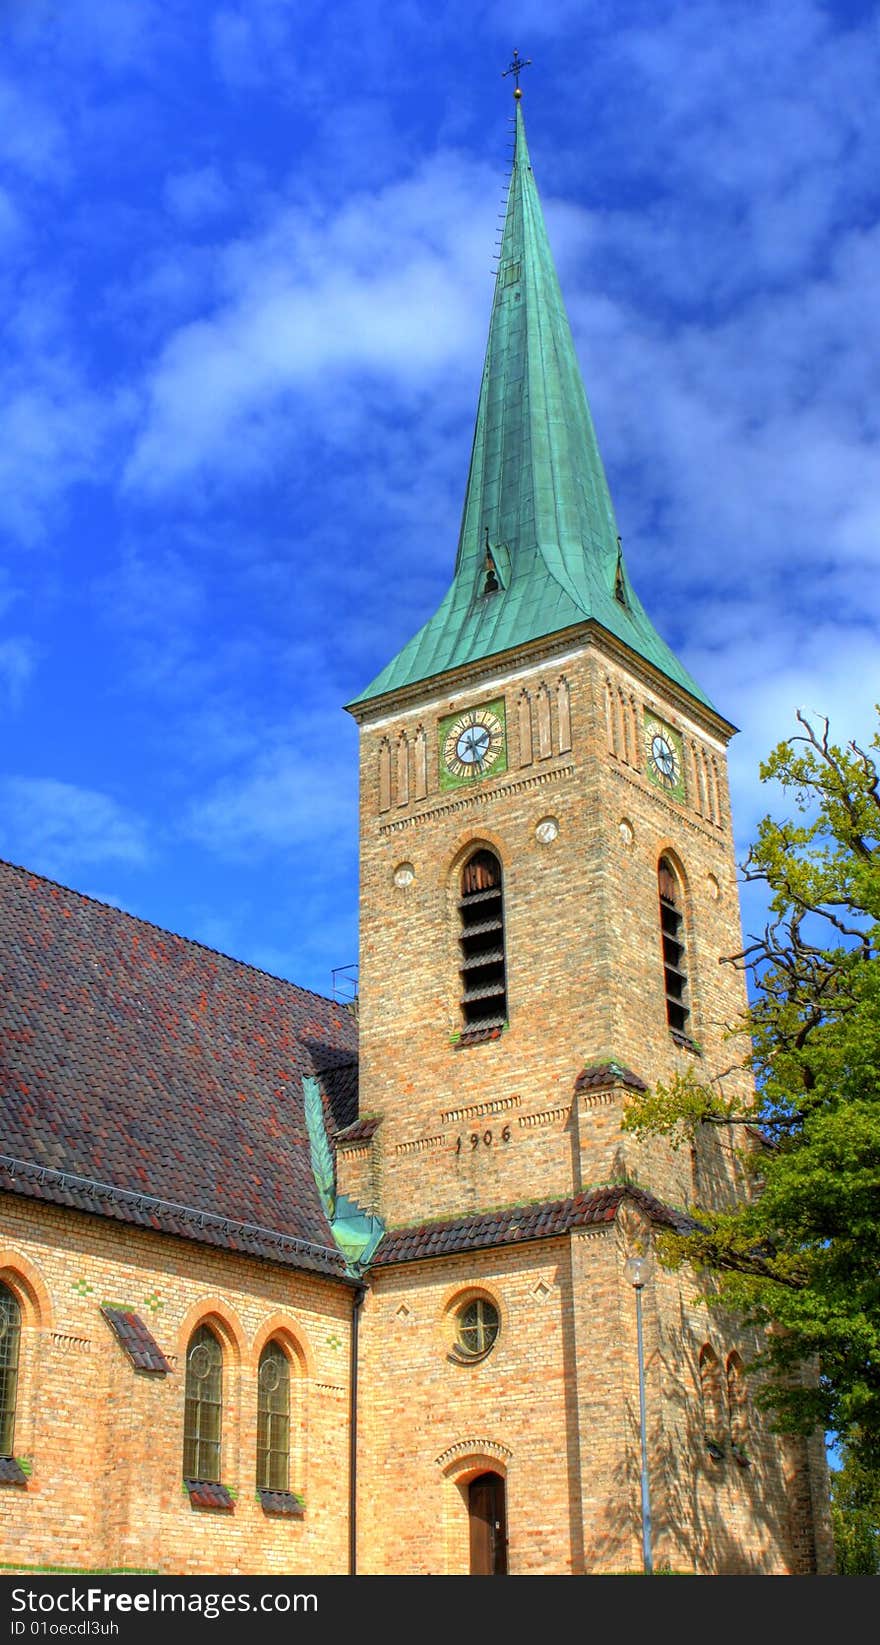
(285,799)
(57,828)
(385,291)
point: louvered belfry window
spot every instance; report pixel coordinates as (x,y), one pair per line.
(674,963)
(273,1419)
(204,1407)
(481,941)
(10,1333)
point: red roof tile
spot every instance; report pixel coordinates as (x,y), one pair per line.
(608,1073)
(147,1078)
(137,1339)
(517,1224)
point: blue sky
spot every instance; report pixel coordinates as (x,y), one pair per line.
(247,256)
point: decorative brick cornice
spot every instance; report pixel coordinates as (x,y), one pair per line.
(481,799)
(682,814)
(498,1105)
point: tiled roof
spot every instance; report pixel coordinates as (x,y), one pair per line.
(360,1131)
(203,1493)
(137,1339)
(517,1224)
(147,1078)
(608,1073)
(339,1087)
(281,1502)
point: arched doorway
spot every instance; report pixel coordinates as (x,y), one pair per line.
(488,1525)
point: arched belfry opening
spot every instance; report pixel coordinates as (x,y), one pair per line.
(673,935)
(481,942)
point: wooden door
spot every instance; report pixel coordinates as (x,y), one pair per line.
(488,1525)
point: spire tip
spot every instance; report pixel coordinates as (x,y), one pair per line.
(515,68)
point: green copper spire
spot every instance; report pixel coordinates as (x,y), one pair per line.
(539,549)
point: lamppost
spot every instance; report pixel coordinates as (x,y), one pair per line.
(637,1270)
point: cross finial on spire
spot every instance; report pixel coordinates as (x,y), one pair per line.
(516,68)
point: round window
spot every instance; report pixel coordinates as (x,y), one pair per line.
(478,1325)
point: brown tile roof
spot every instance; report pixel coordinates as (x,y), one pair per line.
(137,1339)
(147,1078)
(360,1131)
(608,1073)
(281,1502)
(203,1493)
(517,1224)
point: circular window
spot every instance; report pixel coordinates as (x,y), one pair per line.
(200,1360)
(270,1373)
(477,1327)
(404,874)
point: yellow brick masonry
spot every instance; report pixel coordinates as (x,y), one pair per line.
(584,957)
(553,1409)
(104,1442)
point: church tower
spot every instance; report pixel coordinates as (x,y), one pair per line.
(547,886)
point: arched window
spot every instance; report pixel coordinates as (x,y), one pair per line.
(672,930)
(481,939)
(273,1419)
(204,1406)
(10,1332)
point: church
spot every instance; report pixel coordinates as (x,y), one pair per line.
(288,1287)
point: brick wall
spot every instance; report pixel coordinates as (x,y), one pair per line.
(553,1409)
(584,957)
(104,1442)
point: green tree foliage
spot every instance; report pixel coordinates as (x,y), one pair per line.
(855,1517)
(802,1254)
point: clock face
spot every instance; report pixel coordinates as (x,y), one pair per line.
(664,757)
(472,744)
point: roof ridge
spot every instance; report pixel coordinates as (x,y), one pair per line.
(165,931)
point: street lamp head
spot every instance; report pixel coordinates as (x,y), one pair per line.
(637,1268)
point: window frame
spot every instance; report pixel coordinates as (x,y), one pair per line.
(267,1480)
(197,1406)
(482,944)
(677,991)
(10,1365)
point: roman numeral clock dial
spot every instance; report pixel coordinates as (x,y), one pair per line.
(473,743)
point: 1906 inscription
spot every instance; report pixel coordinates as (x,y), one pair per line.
(478,1139)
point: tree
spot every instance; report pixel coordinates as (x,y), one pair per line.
(855,1517)
(800,1255)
